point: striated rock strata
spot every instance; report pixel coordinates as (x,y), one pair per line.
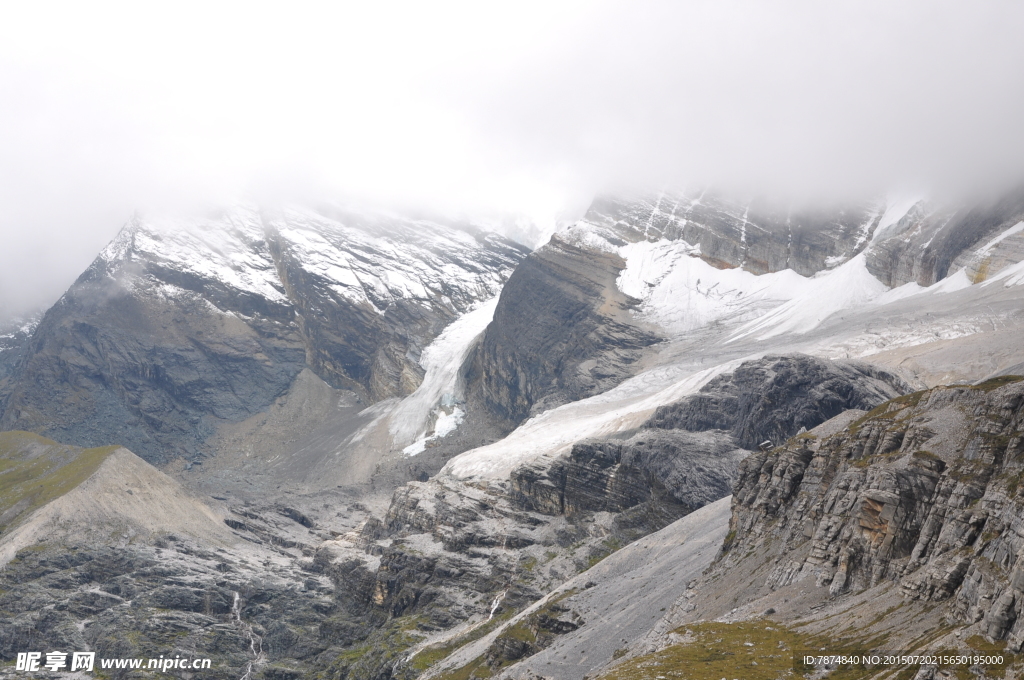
(922,491)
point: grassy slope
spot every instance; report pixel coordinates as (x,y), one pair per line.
(35,470)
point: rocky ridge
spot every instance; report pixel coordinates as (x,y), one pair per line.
(919,491)
(552,520)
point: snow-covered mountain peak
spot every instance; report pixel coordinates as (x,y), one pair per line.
(367,261)
(216,316)
(368,258)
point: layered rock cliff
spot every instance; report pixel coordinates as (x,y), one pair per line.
(754,235)
(922,492)
(687,454)
(775,397)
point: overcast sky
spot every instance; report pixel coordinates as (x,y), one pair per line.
(520,107)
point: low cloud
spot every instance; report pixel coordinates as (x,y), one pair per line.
(526,108)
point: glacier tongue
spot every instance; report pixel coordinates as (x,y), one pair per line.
(439,393)
(554,432)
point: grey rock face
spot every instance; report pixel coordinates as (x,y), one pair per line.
(773,398)
(107,366)
(564,331)
(182,599)
(753,235)
(930,243)
(624,488)
(927,244)
(921,491)
(175,328)
(681,469)
(369,342)
(14,337)
(561,332)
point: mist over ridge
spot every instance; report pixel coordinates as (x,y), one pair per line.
(525,111)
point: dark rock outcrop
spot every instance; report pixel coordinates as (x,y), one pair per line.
(678,469)
(106,365)
(777,396)
(561,332)
(688,453)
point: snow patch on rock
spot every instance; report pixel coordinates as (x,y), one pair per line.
(553,432)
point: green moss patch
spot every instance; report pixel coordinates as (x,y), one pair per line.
(752,650)
(996,383)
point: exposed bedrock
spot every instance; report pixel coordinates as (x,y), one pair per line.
(775,397)
(561,332)
(371,343)
(922,491)
(930,243)
(754,235)
(687,454)
(151,373)
(678,469)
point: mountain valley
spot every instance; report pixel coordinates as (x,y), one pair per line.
(337,443)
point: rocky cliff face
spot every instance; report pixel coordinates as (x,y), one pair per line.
(565,329)
(930,242)
(921,491)
(177,327)
(686,455)
(560,516)
(922,241)
(561,332)
(14,337)
(754,235)
(774,398)
(669,471)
